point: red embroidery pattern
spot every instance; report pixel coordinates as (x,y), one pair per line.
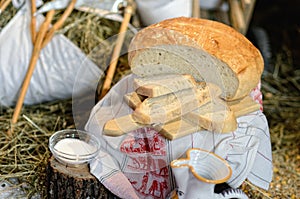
(145,140)
(147,167)
(257,95)
(153,184)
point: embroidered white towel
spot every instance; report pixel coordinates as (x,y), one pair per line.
(141,158)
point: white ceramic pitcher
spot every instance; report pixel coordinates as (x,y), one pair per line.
(197,175)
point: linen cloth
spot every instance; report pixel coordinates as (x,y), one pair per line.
(135,165)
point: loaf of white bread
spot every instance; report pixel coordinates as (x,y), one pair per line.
(190,73)
(208,50)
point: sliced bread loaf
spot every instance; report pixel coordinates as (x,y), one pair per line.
(208,50)
(155,86)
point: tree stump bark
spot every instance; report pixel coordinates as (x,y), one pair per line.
(73,182)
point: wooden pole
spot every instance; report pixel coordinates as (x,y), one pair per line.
(59,23)
(114,60)
(237,16)
(248,11)
(196,9)
(34,58)
(33,21)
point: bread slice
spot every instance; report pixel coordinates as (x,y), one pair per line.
(133,99)
(161,109)
(120,126)
(154,86)
(177,128)
(215,116)
(244,106)
(208,50)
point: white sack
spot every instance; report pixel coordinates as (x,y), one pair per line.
(107,5)
(56,69)
(153,11)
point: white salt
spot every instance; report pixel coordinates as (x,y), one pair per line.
(73,149)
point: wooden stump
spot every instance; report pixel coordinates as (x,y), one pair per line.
(73,182)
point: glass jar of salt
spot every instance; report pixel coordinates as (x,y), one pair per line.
(74,147)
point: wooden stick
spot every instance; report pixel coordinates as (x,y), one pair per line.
(34,58)
(196,9)
(245,3)
(237,17)
(114,60)
(4,4)
(59,23)
(33,21)
(248,13)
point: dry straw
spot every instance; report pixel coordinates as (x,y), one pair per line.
(25,155)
